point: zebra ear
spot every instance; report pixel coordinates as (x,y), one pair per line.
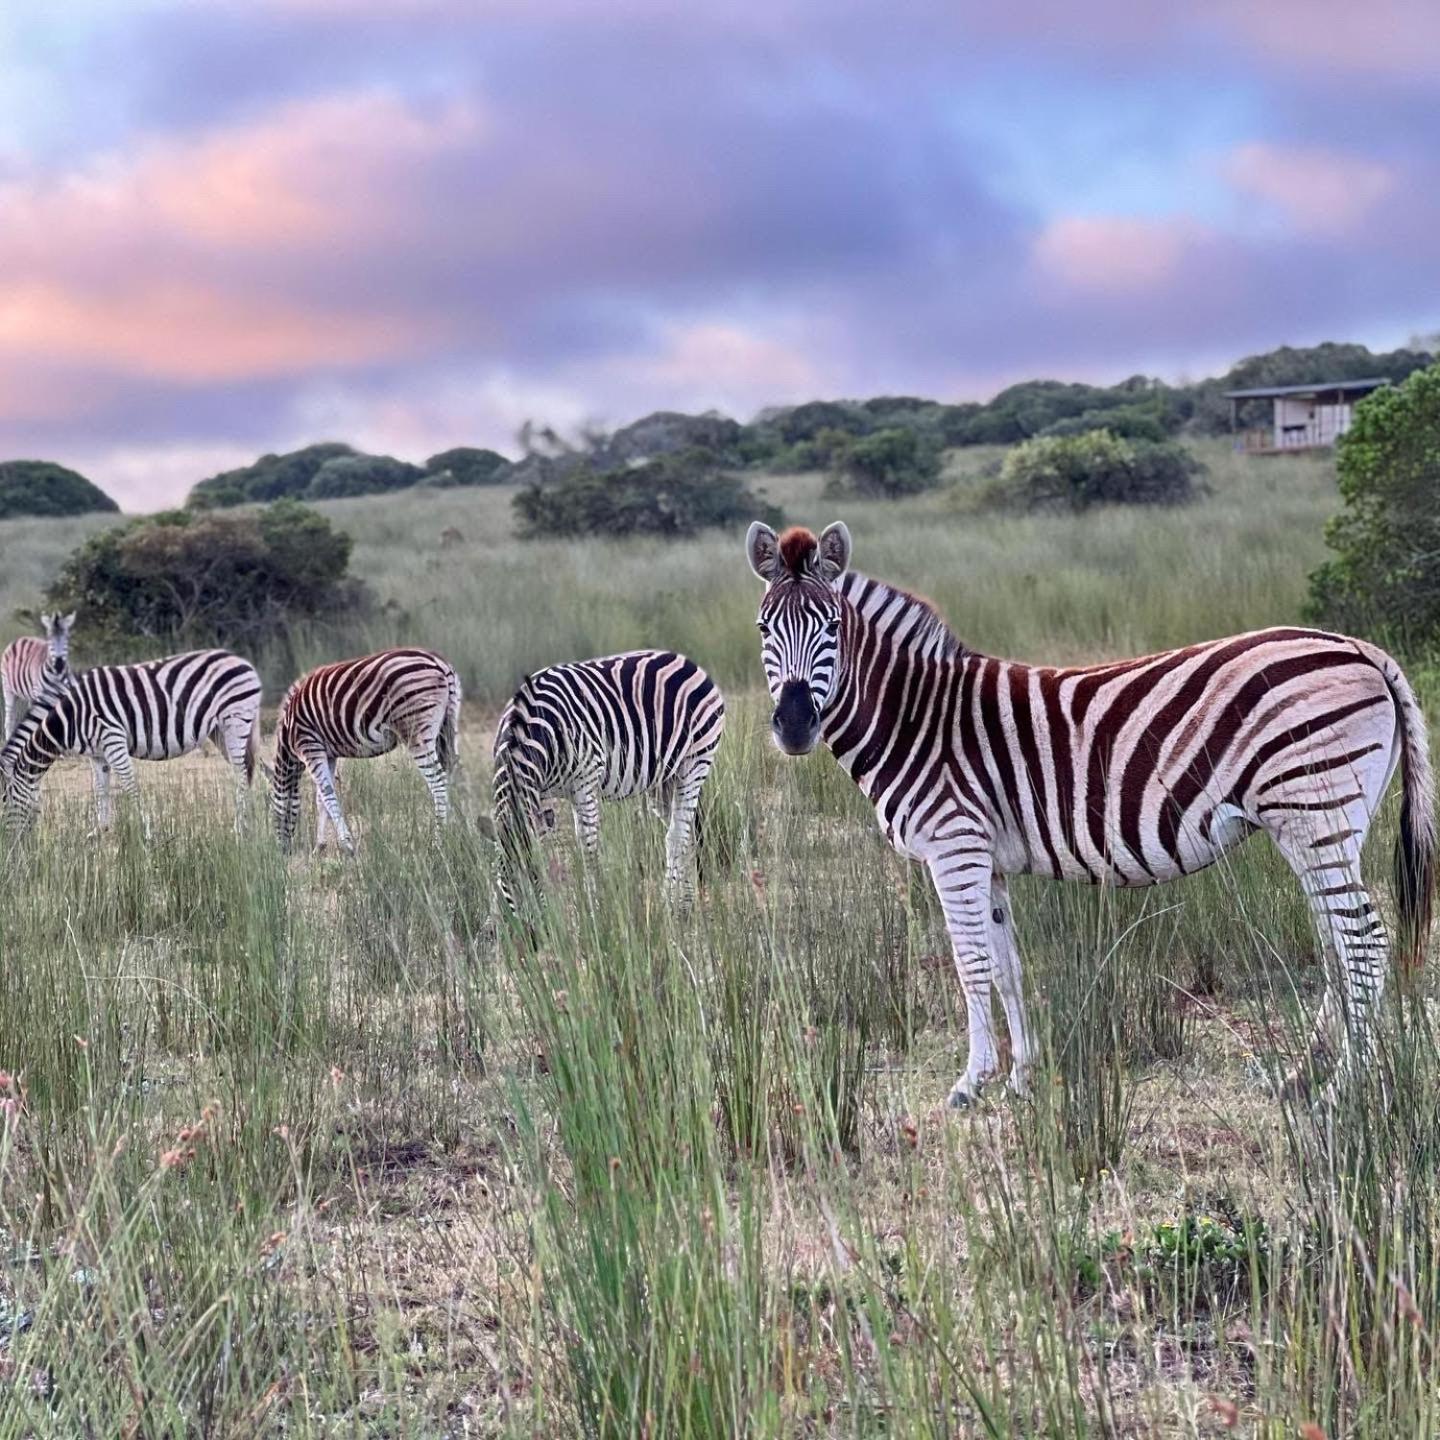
(834,551)
(67,622)
(46,621)
(763,548)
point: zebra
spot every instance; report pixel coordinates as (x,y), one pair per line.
(361,708)
(116,714)
(1130,773)
(615,726)
(22,664)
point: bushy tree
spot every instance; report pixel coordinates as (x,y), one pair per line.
(40,487)
(1073,472)
(194,578)
(889,464)
(1385,577)
(271,477)
(466,465)
(361,475)
(674,496)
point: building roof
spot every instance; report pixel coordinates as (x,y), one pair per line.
(1323,387)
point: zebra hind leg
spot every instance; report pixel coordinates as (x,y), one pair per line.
(322,817)
(436,777)
(1353,942)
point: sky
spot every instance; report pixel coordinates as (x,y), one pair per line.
(232,226)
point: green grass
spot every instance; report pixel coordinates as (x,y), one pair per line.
(306,1148)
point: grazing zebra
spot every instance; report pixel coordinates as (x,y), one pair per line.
(116,714)
(620,725)
(1130,773)
(359,709)
(24,660)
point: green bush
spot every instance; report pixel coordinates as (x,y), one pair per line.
(361,475)
(1385,576)
(1073,472)
(271,477)
(887,465)
(465,465)
(673,496)
(38,487)
(188,578)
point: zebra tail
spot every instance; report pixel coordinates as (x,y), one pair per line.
(1415,846)
(447,748)
(252,749)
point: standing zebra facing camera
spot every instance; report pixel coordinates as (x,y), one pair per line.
(1130,773)
(359,709)
(617,726)
(116,714)
(23,663)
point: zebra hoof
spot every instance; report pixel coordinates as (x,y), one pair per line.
(964,1096)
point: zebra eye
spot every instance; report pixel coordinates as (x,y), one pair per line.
(832,627)
(762,627)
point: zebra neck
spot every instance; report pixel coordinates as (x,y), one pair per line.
(899,671)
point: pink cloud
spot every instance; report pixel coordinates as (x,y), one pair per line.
(189,259)
(1318,190)
(1111,254)
(186,332)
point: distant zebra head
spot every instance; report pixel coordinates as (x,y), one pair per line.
(800,625)
(57,632)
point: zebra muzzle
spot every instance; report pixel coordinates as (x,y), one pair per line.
(796,722)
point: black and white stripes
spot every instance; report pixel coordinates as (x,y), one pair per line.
(1131,773)
(116,714)
(358,709)
(614,726)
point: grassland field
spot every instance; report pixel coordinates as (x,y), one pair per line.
(307,1147)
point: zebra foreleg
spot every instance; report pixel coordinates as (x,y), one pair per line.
(11,719)
(963,885)
(319,766)
(322,819)
(1010,984)
(120,766)
(684,806)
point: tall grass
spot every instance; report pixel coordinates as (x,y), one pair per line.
(1048,587)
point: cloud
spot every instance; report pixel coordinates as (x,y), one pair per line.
(1317,190)
(203,259)
(1112,255)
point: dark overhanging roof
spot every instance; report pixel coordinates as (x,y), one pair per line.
(1270,391)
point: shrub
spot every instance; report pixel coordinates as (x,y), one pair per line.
(465,465)
(361,475)
(271,477)
(673,496)
(886,465)
(1076,471)
(1385,576)
(39,487)
(188,578)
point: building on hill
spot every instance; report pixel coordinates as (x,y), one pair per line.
(1303,417)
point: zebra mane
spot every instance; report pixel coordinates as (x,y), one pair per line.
(895,610)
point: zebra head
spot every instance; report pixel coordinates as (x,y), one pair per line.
(799,625)
(57,633)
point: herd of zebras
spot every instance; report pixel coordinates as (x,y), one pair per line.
(1128,773)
